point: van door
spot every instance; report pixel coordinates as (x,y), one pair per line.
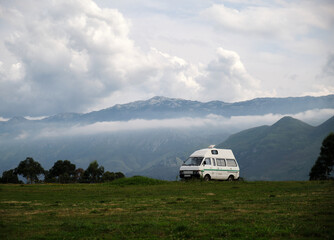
(208,168)
(222,170)
(214,169)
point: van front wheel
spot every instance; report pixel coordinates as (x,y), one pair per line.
(207,178)
(230,178)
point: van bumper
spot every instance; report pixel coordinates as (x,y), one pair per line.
(190,174)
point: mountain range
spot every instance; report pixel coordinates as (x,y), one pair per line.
(264,153)
(163,107)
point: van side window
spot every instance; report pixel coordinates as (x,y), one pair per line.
(231,163)
(213,162)
(207,161)
(214,152)
(221,162)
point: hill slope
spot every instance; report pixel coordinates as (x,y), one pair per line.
(284,151)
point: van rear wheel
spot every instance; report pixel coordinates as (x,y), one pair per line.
(207,178)
(230,178)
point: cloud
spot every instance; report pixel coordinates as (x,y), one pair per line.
(226,76)
(231,125)
(284,21)
(328,70)
(324,80)
(279,39)
(73,55)
(64,57)
(316,116)
(171,75)
(77,56)
(3,119)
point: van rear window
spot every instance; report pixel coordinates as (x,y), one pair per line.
(231,163)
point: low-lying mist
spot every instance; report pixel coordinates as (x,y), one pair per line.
(227,124)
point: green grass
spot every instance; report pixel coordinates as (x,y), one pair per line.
(136,180)
(141,208)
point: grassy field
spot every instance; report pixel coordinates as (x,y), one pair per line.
(139,208)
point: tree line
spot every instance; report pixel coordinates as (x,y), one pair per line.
(323,166)
(66,172)
(60,172)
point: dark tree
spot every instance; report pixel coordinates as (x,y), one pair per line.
(119,175)
(323,167)
(47,177)
(108,176)
(93,173)
(111,176)
(30,169)
(78,175)
(9,176)
(62,172)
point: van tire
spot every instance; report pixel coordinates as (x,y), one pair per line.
(207,178)
(230,178)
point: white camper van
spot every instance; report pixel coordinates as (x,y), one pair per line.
(211,163)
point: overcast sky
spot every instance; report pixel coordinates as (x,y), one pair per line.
(83,55)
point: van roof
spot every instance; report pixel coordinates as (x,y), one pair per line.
(213,152)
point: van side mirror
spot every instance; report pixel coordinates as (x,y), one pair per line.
(204,163)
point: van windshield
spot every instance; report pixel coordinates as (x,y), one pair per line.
(193,161)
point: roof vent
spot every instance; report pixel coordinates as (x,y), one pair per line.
(211,146)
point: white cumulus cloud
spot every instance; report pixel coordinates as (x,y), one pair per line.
(77,56)
(71,55)
(226,76)
(66,55)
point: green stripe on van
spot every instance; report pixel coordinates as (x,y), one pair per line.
(219,170)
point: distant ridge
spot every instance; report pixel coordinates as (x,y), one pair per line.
(162,107)
(285,150)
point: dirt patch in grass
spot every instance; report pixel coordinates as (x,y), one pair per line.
(87,211)
(109,204)
(34,212)
(16,202)
(209,194)
(242,210)
(10,213)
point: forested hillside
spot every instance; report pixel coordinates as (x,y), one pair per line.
(284,151)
